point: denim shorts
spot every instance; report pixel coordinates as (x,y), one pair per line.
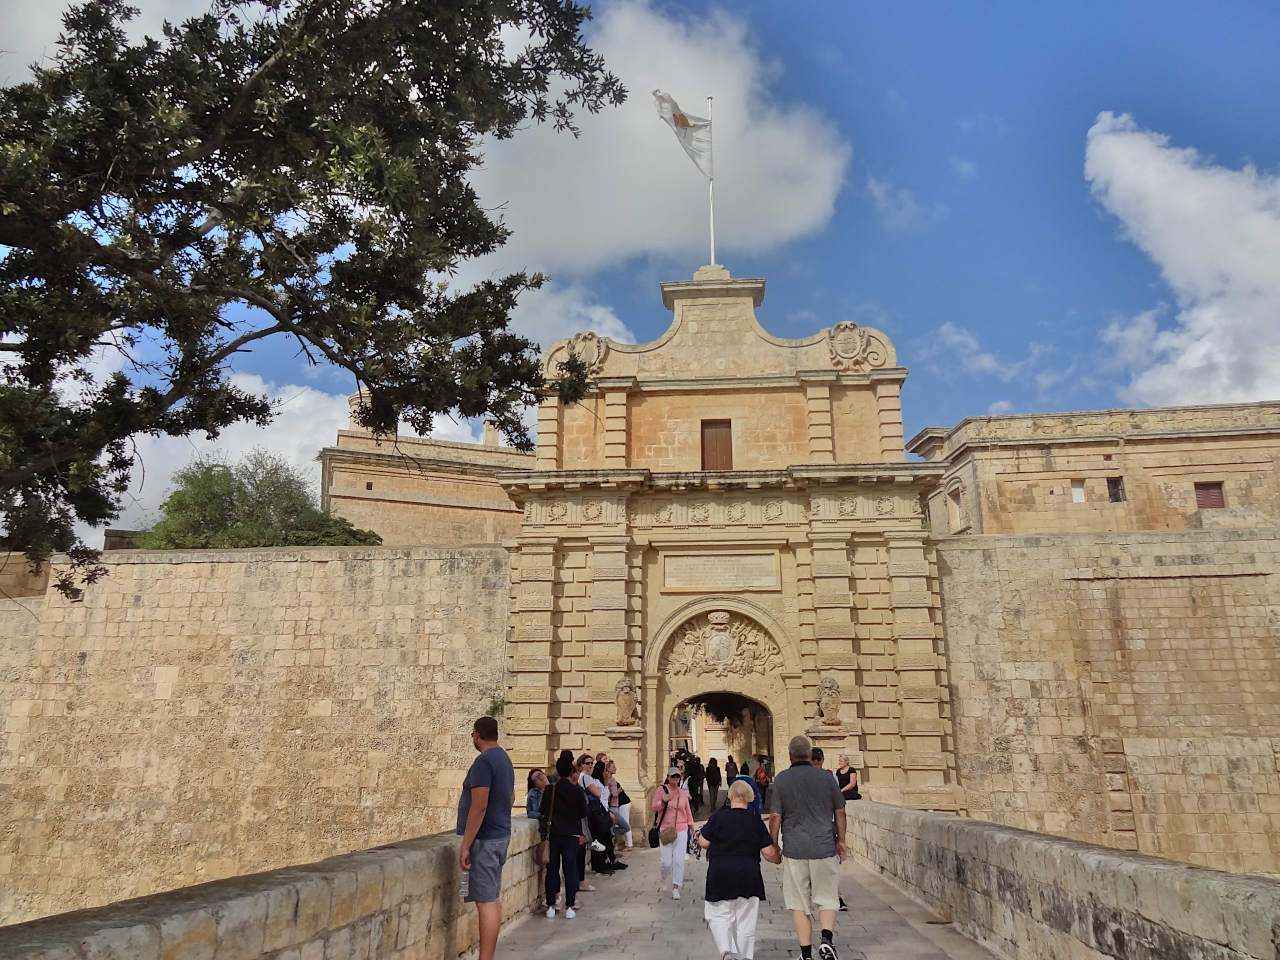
(487,858)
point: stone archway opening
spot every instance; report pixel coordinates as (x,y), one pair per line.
(721,723)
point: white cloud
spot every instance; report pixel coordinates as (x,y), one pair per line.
(1214,232)
(962,168)
(626,189)
(999,407)
(306,420)
(984,124)
(898,207)
(960,346)
(32,28)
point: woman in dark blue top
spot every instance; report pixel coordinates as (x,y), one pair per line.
(734,839)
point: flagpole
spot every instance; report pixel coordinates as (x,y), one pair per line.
(711,180)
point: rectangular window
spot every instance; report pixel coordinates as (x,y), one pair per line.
(1077,491)
(717,445)
(1209,496)
(1115,489)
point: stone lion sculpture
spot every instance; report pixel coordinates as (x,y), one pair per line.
(626,697)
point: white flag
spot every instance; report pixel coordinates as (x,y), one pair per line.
(694,133)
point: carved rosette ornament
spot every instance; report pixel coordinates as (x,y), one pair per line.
(853,348)
(829,702)
(627,698)
(721,644)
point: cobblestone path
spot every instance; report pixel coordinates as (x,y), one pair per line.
(628,917)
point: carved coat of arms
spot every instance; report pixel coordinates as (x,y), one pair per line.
(722,644)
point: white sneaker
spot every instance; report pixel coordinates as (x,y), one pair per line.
(551,912)
(675,893)
(597,846)
(569,914)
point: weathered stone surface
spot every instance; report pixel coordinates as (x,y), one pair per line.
(254,708)
(1025,895)
(249,918)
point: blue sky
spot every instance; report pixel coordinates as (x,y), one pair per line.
(1046,207)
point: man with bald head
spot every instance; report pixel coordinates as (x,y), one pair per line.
(805,798)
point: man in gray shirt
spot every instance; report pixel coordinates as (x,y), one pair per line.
(805,798)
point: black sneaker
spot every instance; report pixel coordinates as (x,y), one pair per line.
(827,951)
(843,906)
(619,865)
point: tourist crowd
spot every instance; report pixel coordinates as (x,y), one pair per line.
(584,811)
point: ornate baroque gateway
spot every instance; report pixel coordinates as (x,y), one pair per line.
(729,512)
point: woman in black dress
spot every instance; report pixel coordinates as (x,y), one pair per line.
(734,839)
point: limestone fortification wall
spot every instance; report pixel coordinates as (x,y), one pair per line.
(210,714)
(396,901)
(1031,897)
(1121,688)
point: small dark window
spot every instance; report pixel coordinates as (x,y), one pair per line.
(1209,496)
(368,485)
(1115,489)
(717,445)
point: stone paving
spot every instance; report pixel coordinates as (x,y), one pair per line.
(628,917)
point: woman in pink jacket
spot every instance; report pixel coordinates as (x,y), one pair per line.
(674,821)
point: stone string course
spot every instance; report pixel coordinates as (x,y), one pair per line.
(1026,895)
(399,901)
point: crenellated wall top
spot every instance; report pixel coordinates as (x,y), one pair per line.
(714,334)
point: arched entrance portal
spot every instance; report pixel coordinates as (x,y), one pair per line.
(721,724)
(720,647)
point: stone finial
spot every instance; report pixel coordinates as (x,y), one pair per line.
(712,271)
(490,436)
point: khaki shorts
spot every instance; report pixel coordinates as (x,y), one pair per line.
(811,885)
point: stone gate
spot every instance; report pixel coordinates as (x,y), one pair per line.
(729,511)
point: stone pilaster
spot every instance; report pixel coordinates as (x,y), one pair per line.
(834,629)
(528,717)
(889,418)
(919,666)
(616,446)
(606,634)
(817,395)
(547,435)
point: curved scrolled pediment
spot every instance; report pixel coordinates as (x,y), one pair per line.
(720,644)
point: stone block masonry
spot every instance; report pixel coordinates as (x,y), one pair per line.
(1122,688)
(202,715)
(397,901)
(1025,895)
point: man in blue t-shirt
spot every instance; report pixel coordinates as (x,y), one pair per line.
(484,822)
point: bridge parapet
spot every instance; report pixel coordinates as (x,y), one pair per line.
(1030,895)
(397,900)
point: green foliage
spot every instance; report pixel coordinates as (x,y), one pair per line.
(497,705)
(286,168)
(262,501)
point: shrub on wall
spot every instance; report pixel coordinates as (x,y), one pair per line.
(262,501)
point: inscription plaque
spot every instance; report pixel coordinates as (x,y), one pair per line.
(720,571)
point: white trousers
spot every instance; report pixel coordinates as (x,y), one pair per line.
(673,855)
(733,924)
(624,816)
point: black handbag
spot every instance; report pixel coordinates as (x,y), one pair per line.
(653,831)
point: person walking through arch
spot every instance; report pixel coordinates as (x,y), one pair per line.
(713,780)
(674,821)
(805,799)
